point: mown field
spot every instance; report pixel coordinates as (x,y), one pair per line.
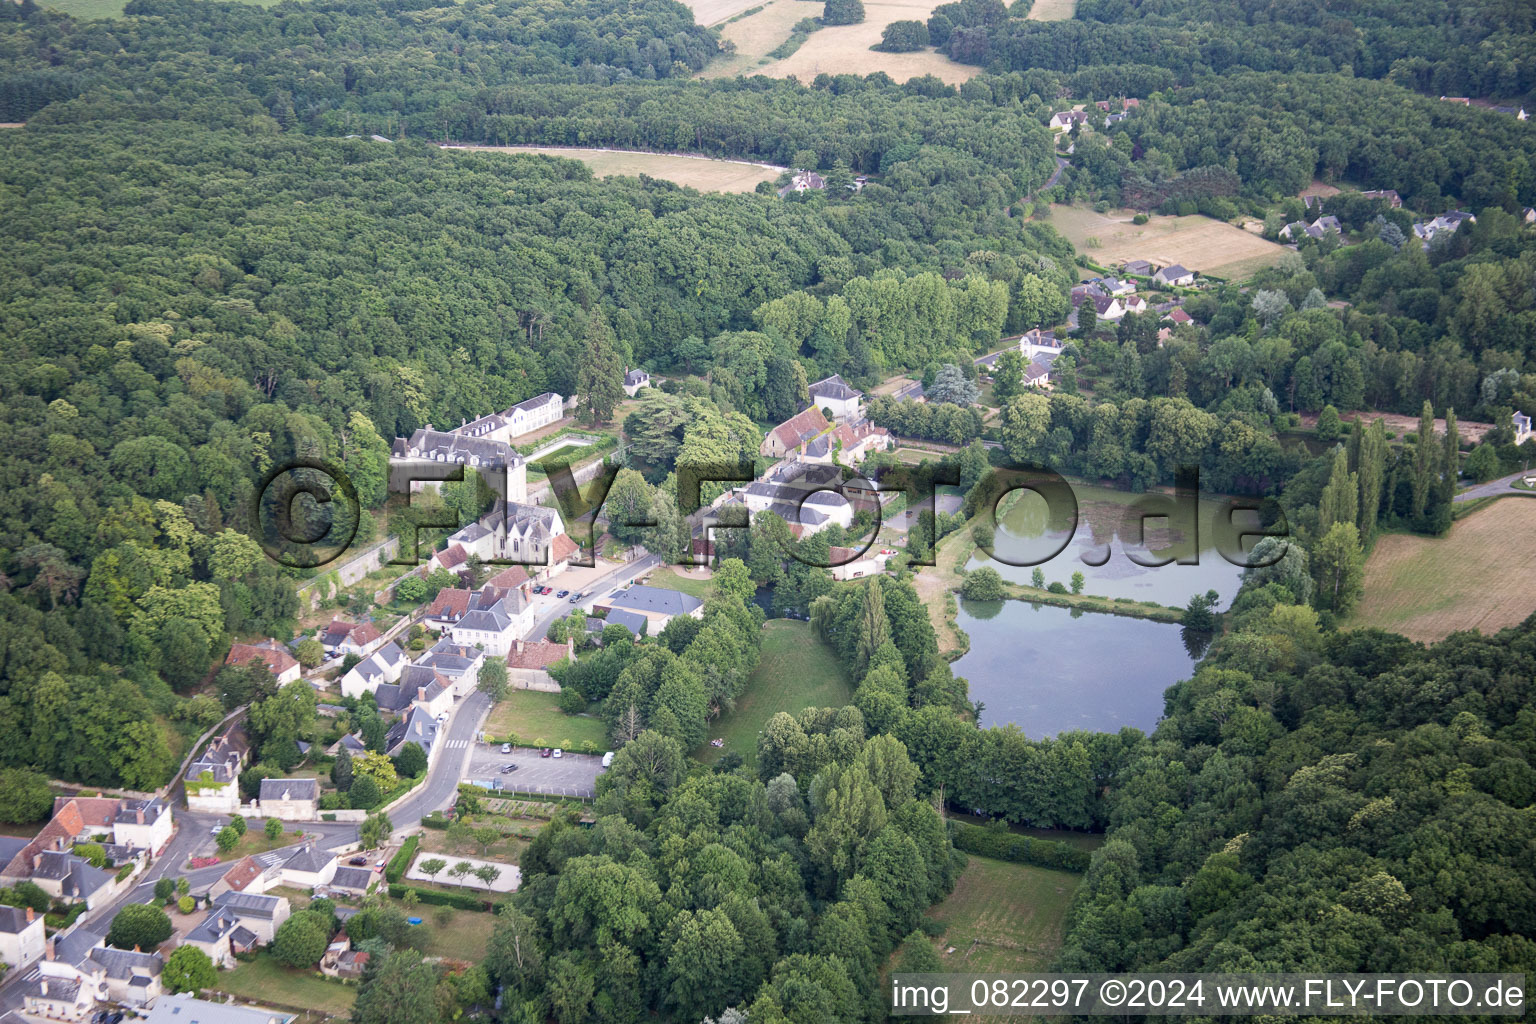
(1199,243)
(108,8)
(1003,917)
(1052,10)
(797,671)
(701,173)
(1476,577)
(535,718)
(755,35)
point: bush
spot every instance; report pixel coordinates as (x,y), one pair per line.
(1001,844)
(1140,218)
(984,584)
(436,898)
(400,861)
(435,820)
(273,829)
(186,904)
(571,701)
(1057,587)
(903,37)
(364,794)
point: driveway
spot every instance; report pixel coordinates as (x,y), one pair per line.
(568,775)
(595,584)
(1494,488)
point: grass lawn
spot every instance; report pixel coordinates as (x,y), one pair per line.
(535,719)
(264,979)
(457,934)
(797,671)
(1475,577)
(255,841)
(1004,917)
(671,579)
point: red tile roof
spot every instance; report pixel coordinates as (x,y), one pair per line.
(245,871)
(800,427)
(537,654)
(451,557)
(510,578)
(278,660)
(449,603)
(366,633)
(561,548)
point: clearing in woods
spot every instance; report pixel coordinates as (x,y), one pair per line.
(1199,243)
(1003,917)
(702,173)
(1052,10)
(834,50)
(1476,577)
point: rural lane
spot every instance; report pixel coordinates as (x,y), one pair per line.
(1494,488)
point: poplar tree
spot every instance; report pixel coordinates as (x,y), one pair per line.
(1341,497)
(1372,474)
(1423,459)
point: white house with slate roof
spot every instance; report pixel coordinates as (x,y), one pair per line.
(142,824)
(634,380)
(183,1009)
(21,935)
(1176,276)
(382,666)
(458,663)
(290,799)
(238,922)
(308,867)
(213,781)
(419,726)
(845,403)
(454,448)
(494,627)
(1522,424)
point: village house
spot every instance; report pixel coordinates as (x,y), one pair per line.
(1140,268)
(849,564)
(476,539)
(290,799)
(212,781)
(453,558)
(1444,224)
(1134,304)
(788,437)
(493,620)
(430,690)
(342,961)
(382,666)
(1175,276)
(529,662)
(1394,201)
(353,881)
(659,606)
(1518,113)
(848,443)
(420,727)
(21,936)
(1108,307)
(78,971)
(803,181)
(1038,375)
(283,665)
(308,867)
(1064,120)
(1522,424)
(453,448)
(637,624)
(238,922)
(459,664)
(833,396)
(1317,229)
(142,824)
(1178,316)
(57,992)
(341,638)
(634,380)
(183,1009)
(47,859)
(514,577)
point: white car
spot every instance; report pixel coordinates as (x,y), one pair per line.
(557,752)
(608,759)
(506,748)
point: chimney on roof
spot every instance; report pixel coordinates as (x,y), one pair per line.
(519,647)
(31,914)
(140,814)
(421,693)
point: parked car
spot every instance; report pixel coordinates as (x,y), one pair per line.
(608,759)
(546,752)
(216,830)
(562,593)
(508,769)
(506,748)
(576,597)
(558,752)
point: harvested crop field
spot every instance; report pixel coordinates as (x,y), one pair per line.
(702,173)
(712,12)
(1052,10)
(755,36)
(1476,577)
(845,49)
(1199,243)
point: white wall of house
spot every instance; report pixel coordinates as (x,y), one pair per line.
(211,799)
(19,949)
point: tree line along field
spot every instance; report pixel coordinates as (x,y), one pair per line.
(702,173)
(1199,243)
(1476,577)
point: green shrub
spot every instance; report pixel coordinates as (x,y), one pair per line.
(437,898)
(1140,218)
(400,861)
(1001,844)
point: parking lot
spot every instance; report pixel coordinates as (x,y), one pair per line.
(568,775)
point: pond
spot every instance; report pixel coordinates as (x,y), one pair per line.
(1027,530)
(1050,670)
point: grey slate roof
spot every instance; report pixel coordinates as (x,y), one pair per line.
(394,697)
(290,789)
(307,858)
(654,600)
(356,879)
(13,920)
(248,904)
(128,813)
(121,964)
(833,387)
(185,1010)
(632,621)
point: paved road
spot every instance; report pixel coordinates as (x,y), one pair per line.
(442,783)
(1495,487)
(599,588)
